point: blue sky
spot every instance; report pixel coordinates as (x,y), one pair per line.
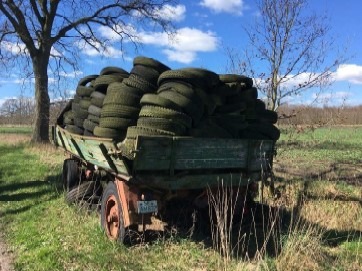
(204,29)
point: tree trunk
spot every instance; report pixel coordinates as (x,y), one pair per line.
(42,101)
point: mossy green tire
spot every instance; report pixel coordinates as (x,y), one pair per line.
(134,131)
(89,125)
(116,123)
(157,100)
(117,110)
(162,112)
(162,124)
(150,62)
(109,133)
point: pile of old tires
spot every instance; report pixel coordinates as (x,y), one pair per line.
(152,99)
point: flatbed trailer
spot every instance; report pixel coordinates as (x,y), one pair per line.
(141,176)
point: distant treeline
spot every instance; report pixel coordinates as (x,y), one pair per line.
(307,115)
(20,111)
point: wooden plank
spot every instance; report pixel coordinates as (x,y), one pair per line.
(89,149)
(194,181)
(153,153)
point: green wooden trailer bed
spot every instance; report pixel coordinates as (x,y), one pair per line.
(140,176)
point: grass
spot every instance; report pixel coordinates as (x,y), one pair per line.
(322,194)
(15,129)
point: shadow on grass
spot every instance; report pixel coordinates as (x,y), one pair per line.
(36,191)
(261,233)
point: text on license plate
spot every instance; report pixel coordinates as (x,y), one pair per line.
(149,206)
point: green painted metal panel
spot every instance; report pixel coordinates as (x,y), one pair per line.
(97,151)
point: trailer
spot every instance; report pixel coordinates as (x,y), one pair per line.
(138,179)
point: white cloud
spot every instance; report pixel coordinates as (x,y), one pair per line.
(112,35)
(71,74)
(184,45)
(97,50)
(229,6)
(332,98)
(172,13)
(14,48)
(349,72)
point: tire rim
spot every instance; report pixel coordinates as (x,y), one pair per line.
(112,218)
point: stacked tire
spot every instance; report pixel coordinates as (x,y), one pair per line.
(122,105)
(107,76)
(80,105)
(154,100)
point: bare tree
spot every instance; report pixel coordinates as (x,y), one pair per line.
(289,51)
(18,110)
(44,33)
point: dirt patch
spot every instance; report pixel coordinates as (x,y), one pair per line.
(6,256)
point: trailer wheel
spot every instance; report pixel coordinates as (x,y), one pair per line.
(83,191)
(112,214)
(70,175)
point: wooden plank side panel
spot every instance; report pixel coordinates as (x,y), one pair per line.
(201,153)
(153,153)
(260,154)
(89,149)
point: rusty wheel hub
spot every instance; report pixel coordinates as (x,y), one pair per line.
(112,218)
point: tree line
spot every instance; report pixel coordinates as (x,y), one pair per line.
(21,111)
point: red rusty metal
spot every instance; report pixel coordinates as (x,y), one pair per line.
(112,217)
(128,196)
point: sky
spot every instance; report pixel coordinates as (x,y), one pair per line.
(204,29)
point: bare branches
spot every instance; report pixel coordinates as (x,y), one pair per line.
(292,46)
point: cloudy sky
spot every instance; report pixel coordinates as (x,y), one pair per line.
(204,29)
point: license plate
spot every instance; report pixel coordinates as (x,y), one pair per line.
(149,206)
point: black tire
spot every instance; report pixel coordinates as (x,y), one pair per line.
(74,129)
(268,116)
(119,111)
(193,107)
(114,70)
(109,133)
(231,108)
(97,94)
(89,125)
(84,104)
(249,94)
(102,82)
(93,118)
(157,100)
(70,174)
(116,123)
(138,82)
(84,91)
(80,113)
(197,77)
(121,97)
(88,133)
(134,131)
(231,78)
(79,122)
(265,129)
(87,79)
(162,124)
(162,112)
(148,73)
(98,102)
(150,62)
(116,86)
(183,88)
(112,214)
(68,121)
(94,110)
(80,192)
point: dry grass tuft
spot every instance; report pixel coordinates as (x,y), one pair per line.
(303,249)
(14,139)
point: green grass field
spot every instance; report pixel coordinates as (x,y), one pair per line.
(318,176)
(15,129)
